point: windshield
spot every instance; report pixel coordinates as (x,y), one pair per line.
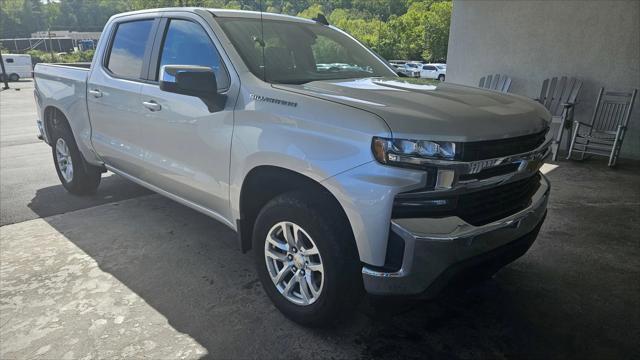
(296,53)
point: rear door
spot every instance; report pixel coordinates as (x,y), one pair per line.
(113,98)
(186,147)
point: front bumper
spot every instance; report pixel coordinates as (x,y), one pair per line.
(438,249)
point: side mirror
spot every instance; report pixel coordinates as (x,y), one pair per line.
(198,81)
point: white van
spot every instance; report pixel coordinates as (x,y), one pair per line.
(17,66)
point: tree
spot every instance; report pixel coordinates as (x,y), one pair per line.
(312,11)
(438,22)
(396,29)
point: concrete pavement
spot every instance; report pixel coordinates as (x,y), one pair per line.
(30,186)
(57,303)
(147,281)
(147,277)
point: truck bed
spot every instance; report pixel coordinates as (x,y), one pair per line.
(82,65)
(64,87)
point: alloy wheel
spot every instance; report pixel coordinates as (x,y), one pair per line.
(294,263)
(63,156)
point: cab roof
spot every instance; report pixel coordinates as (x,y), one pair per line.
(256,15)
(223,13)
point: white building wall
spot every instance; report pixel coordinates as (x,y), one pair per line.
(596,41)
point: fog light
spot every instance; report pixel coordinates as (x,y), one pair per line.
(445,179)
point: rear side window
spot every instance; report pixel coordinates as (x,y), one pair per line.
(9,61)
(127,50)
(186,43)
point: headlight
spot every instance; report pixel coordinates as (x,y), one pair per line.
(411,152)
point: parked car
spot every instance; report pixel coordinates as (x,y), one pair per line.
(408,68)
(338,67)
(434,71)
(398,64)
(339,179)
(412,69)
(17,66)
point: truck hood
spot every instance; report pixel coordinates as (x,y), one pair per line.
(418,109)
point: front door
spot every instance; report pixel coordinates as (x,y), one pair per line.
(186,148)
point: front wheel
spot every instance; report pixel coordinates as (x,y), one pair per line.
(76,175)
(441,77)
(14,77)
(306,259)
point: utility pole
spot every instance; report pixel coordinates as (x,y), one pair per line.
(5,77)
(379,34)
(53,59)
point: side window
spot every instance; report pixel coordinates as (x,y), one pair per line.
(186,43)
(9,61)
(127,50)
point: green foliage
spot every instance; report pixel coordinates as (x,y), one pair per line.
(38,56)
(396,29)
(414,30)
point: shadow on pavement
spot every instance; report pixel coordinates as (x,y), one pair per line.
(53,200)
(563,299)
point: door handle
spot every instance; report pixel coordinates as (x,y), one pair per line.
(95,93)
(152,105)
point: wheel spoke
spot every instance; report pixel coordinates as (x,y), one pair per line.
(315,267)
(70,169)
(290,285)
(288,235)
(276,243)
(310,252)
(277,255)
(309,283)
(63,149)
(304,290)
(296,236)
(281,275)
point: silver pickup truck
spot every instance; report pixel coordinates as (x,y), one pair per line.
(340,175)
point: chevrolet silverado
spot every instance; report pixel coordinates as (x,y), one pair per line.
(341,176)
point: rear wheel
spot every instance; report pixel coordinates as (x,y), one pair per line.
(14,77)
(76,175)
(306,259)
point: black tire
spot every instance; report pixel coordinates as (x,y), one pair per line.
(86,177)
(14,77)
(342,287)
(441,77)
